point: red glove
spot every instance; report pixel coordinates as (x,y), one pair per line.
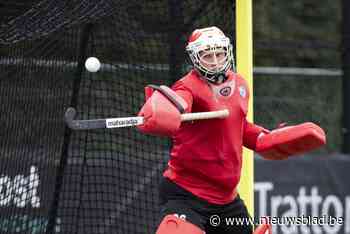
(162,111)
(289,141)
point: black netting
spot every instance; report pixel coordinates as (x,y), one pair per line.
(299,98)
(297,64)
(54,180)
(303,33)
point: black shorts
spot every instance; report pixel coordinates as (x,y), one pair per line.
(211,218)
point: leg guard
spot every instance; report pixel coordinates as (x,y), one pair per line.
(174,225)
(263,229)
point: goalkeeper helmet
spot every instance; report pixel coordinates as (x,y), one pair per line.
(211,53)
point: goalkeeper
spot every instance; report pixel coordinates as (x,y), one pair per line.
(204,169)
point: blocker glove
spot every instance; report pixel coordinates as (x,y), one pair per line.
(290,141)
(161,111)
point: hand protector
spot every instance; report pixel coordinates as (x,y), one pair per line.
(289,141)
(162,111)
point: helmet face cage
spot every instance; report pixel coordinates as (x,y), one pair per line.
(214,45)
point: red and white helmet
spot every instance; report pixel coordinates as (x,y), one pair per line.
(211,43)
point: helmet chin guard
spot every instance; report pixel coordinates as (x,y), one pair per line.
(210,43)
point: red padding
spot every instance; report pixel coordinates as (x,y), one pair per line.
(263,229)
(293,140)
(161,117)
(174,225)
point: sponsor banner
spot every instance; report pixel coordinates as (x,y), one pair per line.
(26,192)
(314,190)
(94,198)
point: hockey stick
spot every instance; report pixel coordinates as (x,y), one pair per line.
(130,121)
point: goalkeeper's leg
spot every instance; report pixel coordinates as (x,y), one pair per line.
(179,211)
(178,217)
(172,224)
(234,219)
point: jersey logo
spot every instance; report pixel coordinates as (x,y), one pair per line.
(242,91)
(225,91)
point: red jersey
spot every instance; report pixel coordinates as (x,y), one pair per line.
(206,156)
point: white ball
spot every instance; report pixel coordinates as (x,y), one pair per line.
(92,64)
